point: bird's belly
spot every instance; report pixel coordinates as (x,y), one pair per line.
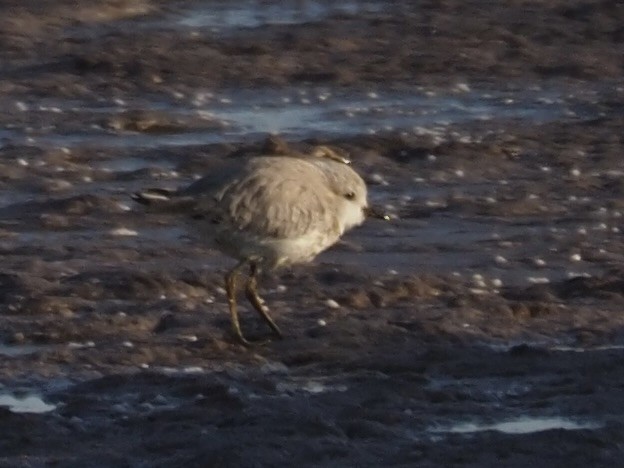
(274,252)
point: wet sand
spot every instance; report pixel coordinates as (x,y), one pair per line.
(482,326)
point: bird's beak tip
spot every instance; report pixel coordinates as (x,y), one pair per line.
(372,212)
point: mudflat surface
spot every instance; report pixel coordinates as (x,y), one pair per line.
(482,326)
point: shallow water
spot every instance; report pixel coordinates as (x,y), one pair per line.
(252,14)
(296,113)
(524,425)
(437,245)
(576,349)
(20,350)
(133,164)
(25,404)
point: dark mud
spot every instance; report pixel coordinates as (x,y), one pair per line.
(482,326)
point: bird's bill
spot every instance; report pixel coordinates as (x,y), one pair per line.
(373,212)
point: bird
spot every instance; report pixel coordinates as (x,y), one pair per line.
(269,211)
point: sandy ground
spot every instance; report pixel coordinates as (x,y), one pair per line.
(482,326)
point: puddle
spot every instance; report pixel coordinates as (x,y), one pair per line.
(524,425)
(86,237)
(449,243)
(133,164)
(4,137)
(324,113)
(25,404)
(253,14)
(20,350)
(573,349)
(296,113)
(107,140)
(311,386)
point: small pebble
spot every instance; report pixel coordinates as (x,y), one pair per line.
(160,400)
(18,337)
(123,232)
(332,304)
(462,87)
(74,345)
(538,280)
(188,338)
(500,260)
(478,280)
(378,179)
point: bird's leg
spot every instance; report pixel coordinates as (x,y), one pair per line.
(230,288)
(251,291)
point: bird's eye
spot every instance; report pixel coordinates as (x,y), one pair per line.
(349,195)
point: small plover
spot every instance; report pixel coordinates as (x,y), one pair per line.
(269,211)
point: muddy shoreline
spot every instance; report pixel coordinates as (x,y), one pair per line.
(481,327)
